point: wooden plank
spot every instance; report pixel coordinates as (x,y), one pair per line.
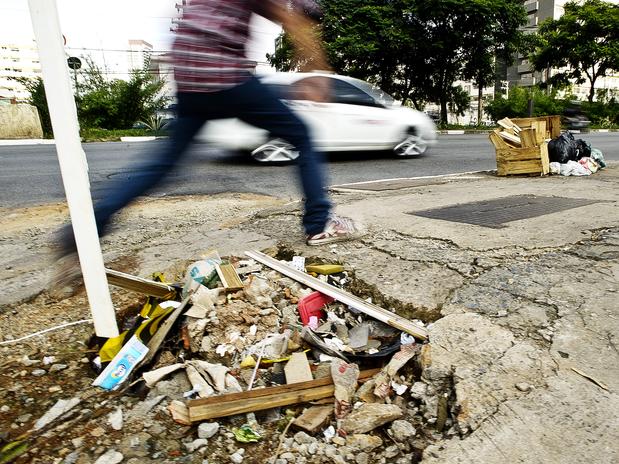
(264,398)
(140,285)
(528,138)
(228,276)
(553,124)
(508,124)
(497,141)
(510,139)
(545,159)
(540,131)
(519,154)
(523,168)
(272,391)
(353,301)
(156,340)
(231,408)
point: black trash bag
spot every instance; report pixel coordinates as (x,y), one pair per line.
(563,148)
(583,149)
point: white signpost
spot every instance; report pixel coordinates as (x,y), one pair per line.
(72,159)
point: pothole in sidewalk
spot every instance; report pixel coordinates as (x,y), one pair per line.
(225,329)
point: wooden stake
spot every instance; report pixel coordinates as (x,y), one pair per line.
(73,164)
(140,285)
(264,398)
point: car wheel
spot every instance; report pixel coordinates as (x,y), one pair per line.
(275,151)
(412,145)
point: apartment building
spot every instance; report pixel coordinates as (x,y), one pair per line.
(521,74)
(138,54)
(17,60)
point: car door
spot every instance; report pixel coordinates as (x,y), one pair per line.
(320,117)
(362,122)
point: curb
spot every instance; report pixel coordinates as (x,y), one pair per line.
(138,139)
(10,142)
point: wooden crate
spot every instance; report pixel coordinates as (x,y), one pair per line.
(548,127)
(529,155)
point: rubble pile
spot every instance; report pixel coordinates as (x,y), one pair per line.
(246,364)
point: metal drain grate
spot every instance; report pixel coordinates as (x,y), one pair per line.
(495,213)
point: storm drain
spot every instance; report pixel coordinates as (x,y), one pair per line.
(495,213)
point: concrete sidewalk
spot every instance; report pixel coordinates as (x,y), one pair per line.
(523,360)
(525,334)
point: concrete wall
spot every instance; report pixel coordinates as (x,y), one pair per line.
(20,122)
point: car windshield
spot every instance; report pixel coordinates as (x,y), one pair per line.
(375,92)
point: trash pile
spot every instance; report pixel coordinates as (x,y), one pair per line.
(573,157)
(259,340)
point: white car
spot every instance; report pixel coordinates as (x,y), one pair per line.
(358,117)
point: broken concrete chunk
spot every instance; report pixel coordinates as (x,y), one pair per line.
(195,329)
(115,419)
(358,336)
(180,412)
(61,407)
(298,369)
(110,457)
(345,379)
(258,292)
(366,392)
(208,429)
(369,416)
(314,418)
(402,431)
(418,390)
(363,442)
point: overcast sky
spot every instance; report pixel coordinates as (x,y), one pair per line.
(110,24)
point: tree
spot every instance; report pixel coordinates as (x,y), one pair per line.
(495,35)
(118,104)
(463,39)
(584,41)
(517,104)
(416,49)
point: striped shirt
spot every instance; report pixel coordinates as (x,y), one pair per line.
(209,49)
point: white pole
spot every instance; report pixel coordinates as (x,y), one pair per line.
(72,159)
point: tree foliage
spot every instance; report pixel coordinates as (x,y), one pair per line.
(118,104)
(584,41)
(115,104)
(417,49)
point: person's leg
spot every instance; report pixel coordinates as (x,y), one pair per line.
(258,106)
(150,172)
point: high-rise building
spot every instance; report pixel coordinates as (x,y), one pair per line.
(17,60)
(521,74)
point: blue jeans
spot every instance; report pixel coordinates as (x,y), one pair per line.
(251,102)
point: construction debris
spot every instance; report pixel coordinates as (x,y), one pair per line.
(268,340)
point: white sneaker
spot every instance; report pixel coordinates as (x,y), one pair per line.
(337,229)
